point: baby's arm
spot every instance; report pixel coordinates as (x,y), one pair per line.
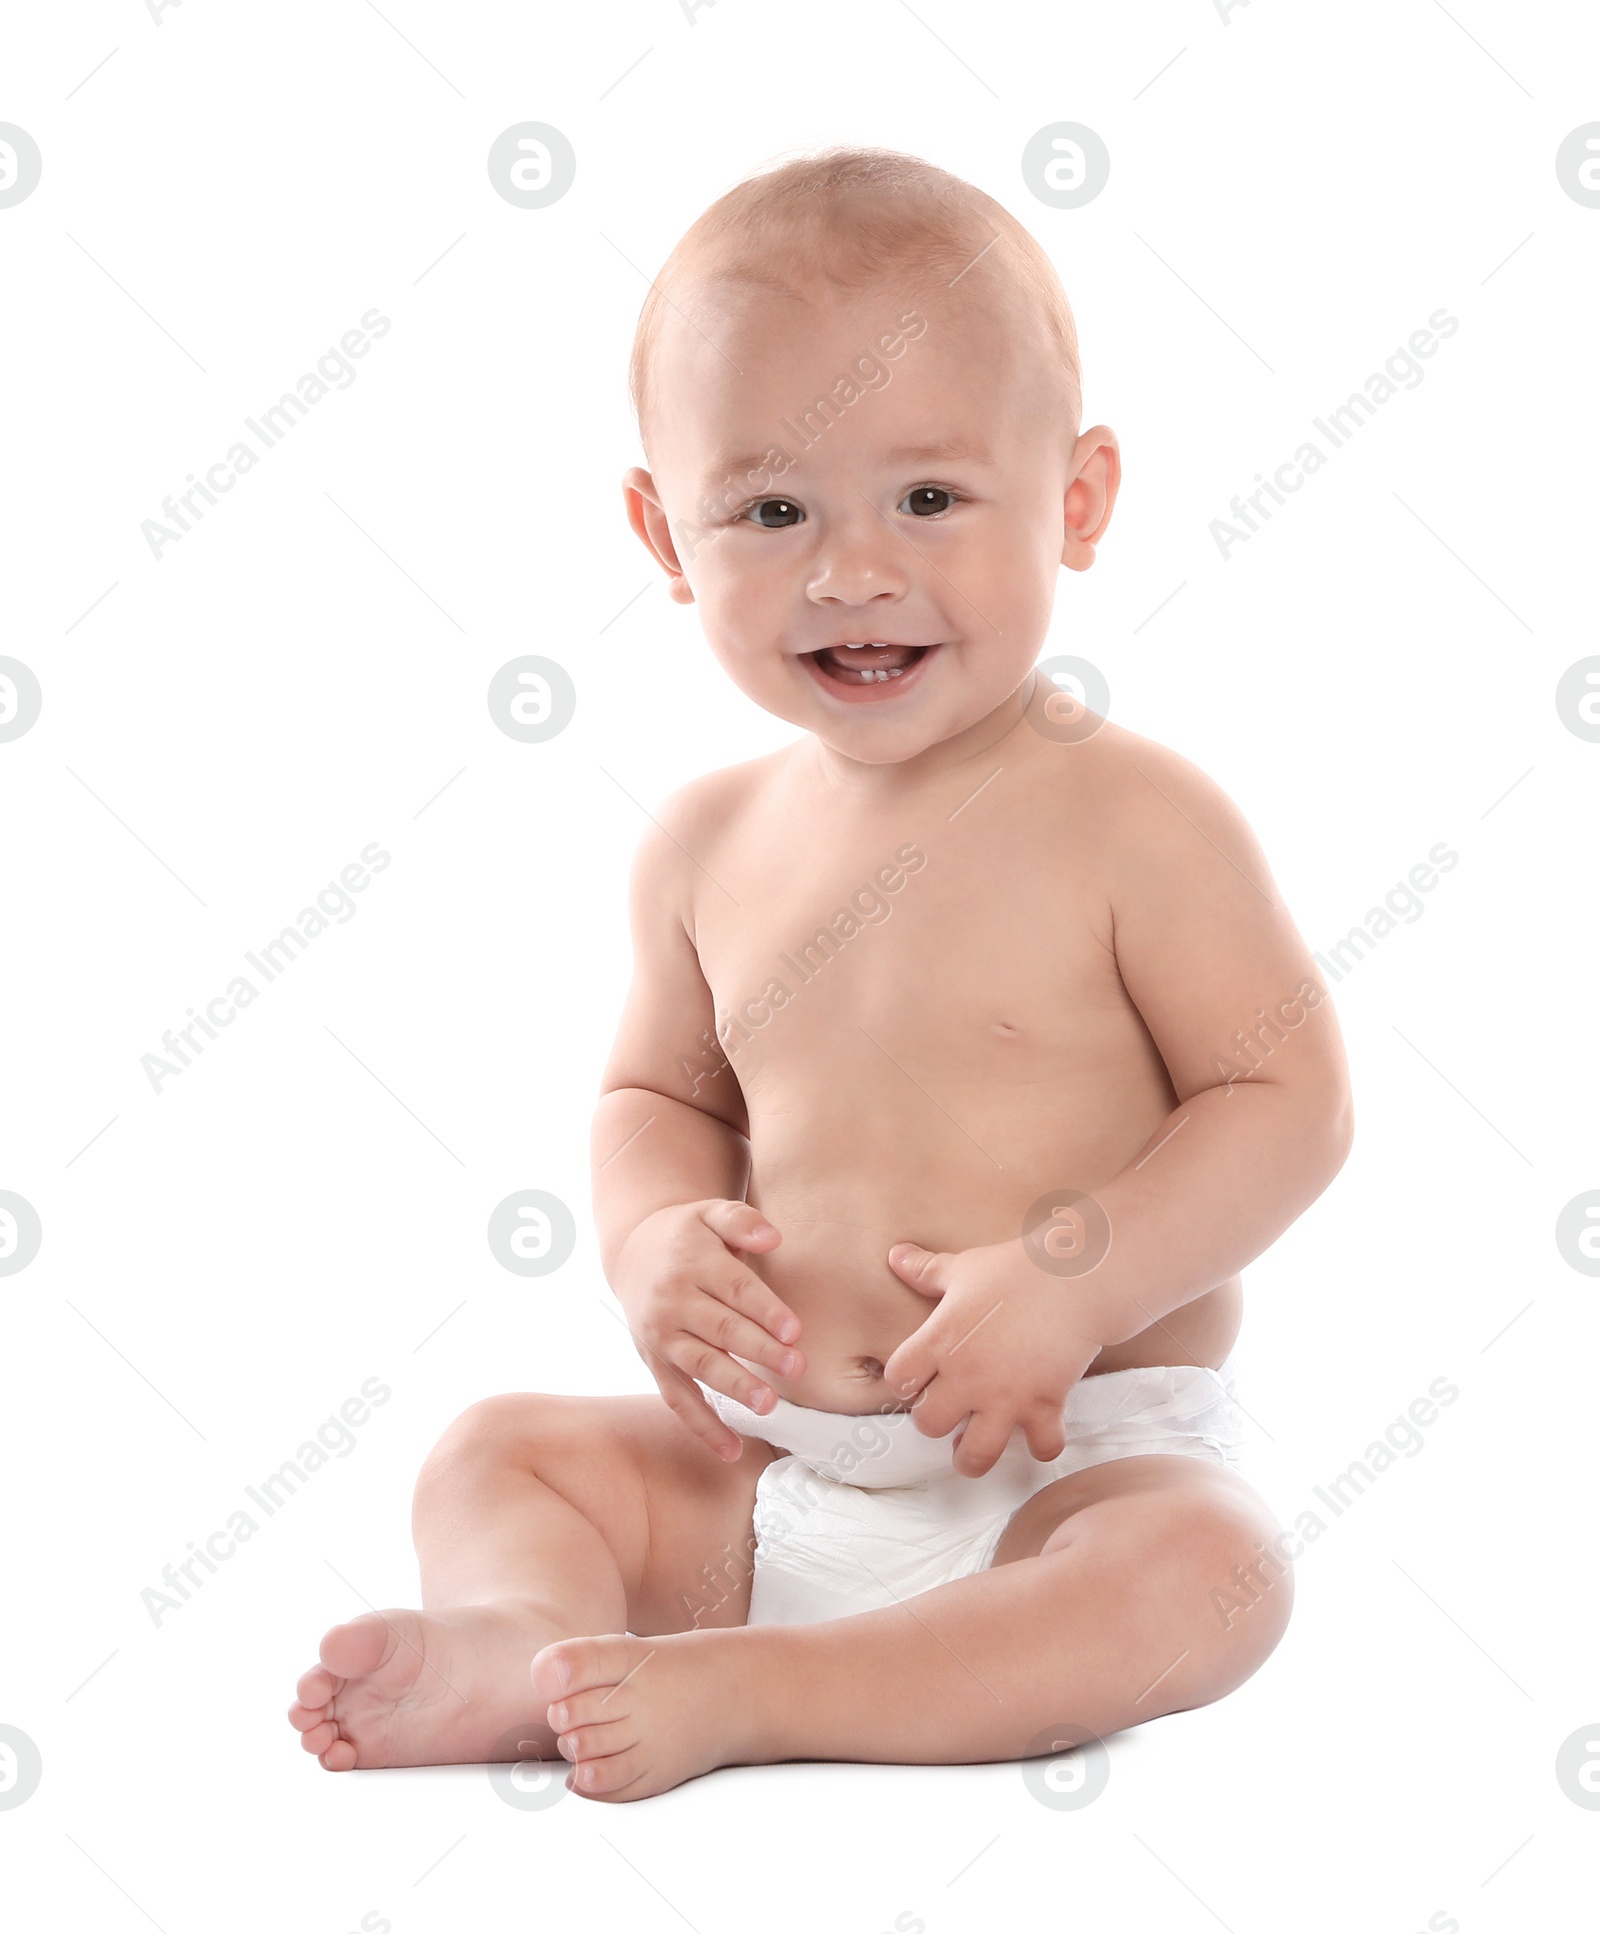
(671,1164)
(1209,956)
(1237,1011)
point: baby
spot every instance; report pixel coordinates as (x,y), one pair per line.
(970,1054)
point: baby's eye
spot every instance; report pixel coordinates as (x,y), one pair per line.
(927,500)
(774,514)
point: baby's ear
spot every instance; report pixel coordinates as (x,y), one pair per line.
(1091,495)
(649,518)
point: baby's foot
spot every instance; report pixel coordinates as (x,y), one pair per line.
(636,1716)
(426,1689)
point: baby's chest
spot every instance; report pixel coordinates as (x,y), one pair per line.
(1015,952)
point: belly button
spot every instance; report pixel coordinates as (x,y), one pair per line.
(870,1366)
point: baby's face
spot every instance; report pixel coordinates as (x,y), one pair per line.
(888,584)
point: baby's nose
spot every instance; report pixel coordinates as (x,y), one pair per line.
(860,564)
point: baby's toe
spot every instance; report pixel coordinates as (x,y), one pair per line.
(340,1757)
(592,1708)
(574,1665)
(351,1651)
(316,1688)
(319,1736)
(609,1778)
(303,1718)
(597,1742)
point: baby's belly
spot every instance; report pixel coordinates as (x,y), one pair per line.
(854,1311)
(832,1271)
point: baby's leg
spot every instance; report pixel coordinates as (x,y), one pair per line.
(1101,1610)
(536,1518)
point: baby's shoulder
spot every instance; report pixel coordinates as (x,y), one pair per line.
(1136,793)
(709,802)
(692,823)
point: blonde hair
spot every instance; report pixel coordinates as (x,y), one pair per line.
(853,218)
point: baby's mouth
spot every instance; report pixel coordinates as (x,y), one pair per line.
(873,664)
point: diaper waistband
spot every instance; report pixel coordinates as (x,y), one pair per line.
(878,1450)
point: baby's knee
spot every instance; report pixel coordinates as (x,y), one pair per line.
(495,1431)
(1246,1562)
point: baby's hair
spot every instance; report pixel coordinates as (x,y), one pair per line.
(855,218)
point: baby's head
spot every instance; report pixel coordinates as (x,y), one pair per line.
(857,388)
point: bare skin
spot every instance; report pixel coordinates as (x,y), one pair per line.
(1067,966)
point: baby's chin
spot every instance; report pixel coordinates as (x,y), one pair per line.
(883,744)
(893,733)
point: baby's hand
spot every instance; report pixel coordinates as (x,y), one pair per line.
(1002,1349)
(690,1304)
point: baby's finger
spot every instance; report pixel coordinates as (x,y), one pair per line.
(939,1409)
(739,1336)
(910,1369)
(980,1444)
(698,1360)
(688,1405)
(740,1226)
(1046,1433)
(687,1402)
(748,1294)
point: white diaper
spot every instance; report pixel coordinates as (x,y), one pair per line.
(866,1511)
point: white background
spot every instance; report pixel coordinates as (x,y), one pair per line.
(1294,190)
